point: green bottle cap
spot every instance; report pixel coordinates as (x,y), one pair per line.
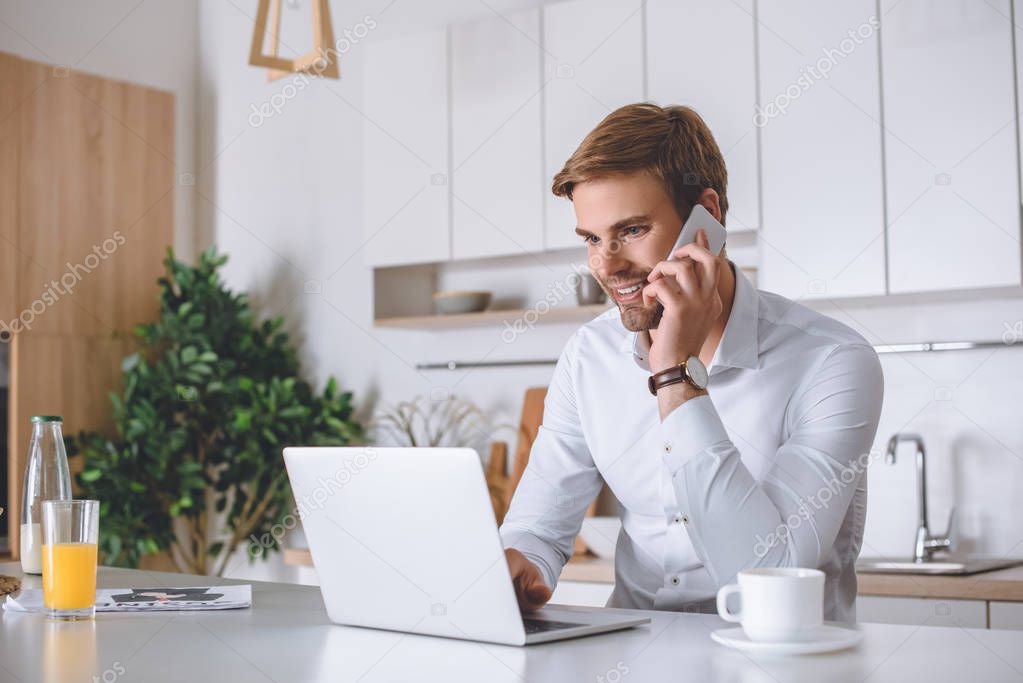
(46,418)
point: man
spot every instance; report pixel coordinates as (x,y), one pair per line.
(751,453)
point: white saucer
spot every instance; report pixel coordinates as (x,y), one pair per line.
(826,639)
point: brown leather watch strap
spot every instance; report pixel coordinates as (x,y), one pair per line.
(665,378)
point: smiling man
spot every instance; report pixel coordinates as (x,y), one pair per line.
(733,426)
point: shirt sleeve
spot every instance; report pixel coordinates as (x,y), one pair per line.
(791,517)
(559,482)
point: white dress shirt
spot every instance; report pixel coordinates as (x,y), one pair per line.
(767,471)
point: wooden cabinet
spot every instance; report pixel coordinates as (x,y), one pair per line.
(591,68)
(95,196)
(10,96)
(951,155)
(406,150)
(702,54)
(497,176)
(820,125)
(921,611)
(87,178)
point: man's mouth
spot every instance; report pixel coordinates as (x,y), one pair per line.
(628,293)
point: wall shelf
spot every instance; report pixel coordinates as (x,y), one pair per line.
(562,314)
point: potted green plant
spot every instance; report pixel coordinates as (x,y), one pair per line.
(210,399)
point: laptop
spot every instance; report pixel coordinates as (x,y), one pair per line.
(405,539)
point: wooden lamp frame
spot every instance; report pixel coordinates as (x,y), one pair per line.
(324,50)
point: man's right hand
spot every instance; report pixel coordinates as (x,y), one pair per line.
(530,590)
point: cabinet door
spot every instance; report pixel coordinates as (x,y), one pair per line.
(950,145)
(497,205)
(590,69)
(819,118)
(95,201)
(406,150)
(921,611)
(1007,615)
(701,54)
(10,97)
(1017,13)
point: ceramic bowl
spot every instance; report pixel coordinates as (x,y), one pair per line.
(452,303)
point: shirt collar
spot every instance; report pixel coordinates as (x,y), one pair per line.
(740,343)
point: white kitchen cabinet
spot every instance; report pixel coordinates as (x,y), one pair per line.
(950,145)
(819,119)
(1018,43)
(921,611)
(406,150)
(1007,615)
(497,184)
(702,54)
(591,68)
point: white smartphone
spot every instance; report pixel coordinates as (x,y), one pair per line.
(699,217)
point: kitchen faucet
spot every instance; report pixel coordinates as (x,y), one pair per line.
(926,544)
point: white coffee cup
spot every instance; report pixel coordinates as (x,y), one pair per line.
(777,605)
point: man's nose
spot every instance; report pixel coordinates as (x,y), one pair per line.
(609,260)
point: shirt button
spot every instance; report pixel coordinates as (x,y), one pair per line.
(675,581)
(678,518)
(667,447)
(685,519)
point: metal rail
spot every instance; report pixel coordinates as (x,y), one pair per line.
(922,347)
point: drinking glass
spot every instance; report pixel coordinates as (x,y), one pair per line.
(70,534)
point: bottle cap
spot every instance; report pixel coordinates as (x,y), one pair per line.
(46,418)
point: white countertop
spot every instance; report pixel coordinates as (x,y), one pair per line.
(286,636)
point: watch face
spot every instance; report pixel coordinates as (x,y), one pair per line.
(697,372)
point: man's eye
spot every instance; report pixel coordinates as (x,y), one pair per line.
(632,231)
(591,239)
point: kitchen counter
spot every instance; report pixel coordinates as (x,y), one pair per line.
(286,636)
(999,585)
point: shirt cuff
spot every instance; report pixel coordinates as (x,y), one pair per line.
(690,429)
(536,551)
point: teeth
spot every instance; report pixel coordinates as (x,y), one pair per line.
(629,290)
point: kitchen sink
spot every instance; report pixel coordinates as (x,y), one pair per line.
(947,566)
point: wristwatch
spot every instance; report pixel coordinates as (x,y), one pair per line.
(692,370)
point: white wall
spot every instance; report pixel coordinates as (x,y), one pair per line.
(148,43)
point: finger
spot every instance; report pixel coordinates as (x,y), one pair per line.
(665,291)
(536,596)
(701,239)
(705,264)
(682,271)
(669,269)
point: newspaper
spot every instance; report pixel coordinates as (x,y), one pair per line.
(159,599)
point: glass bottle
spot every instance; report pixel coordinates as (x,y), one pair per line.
(47,477)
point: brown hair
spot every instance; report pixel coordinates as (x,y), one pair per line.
(672,143)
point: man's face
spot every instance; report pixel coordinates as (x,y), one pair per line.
(629,224)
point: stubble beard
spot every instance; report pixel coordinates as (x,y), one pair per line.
(637,317)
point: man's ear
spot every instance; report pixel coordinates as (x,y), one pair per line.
(709,200)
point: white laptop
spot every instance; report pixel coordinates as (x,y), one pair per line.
(405,539)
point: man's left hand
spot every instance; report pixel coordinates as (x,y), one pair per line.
(687,288)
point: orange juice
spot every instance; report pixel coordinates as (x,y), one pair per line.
(69,575)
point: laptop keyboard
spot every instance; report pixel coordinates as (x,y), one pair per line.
(544,625)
